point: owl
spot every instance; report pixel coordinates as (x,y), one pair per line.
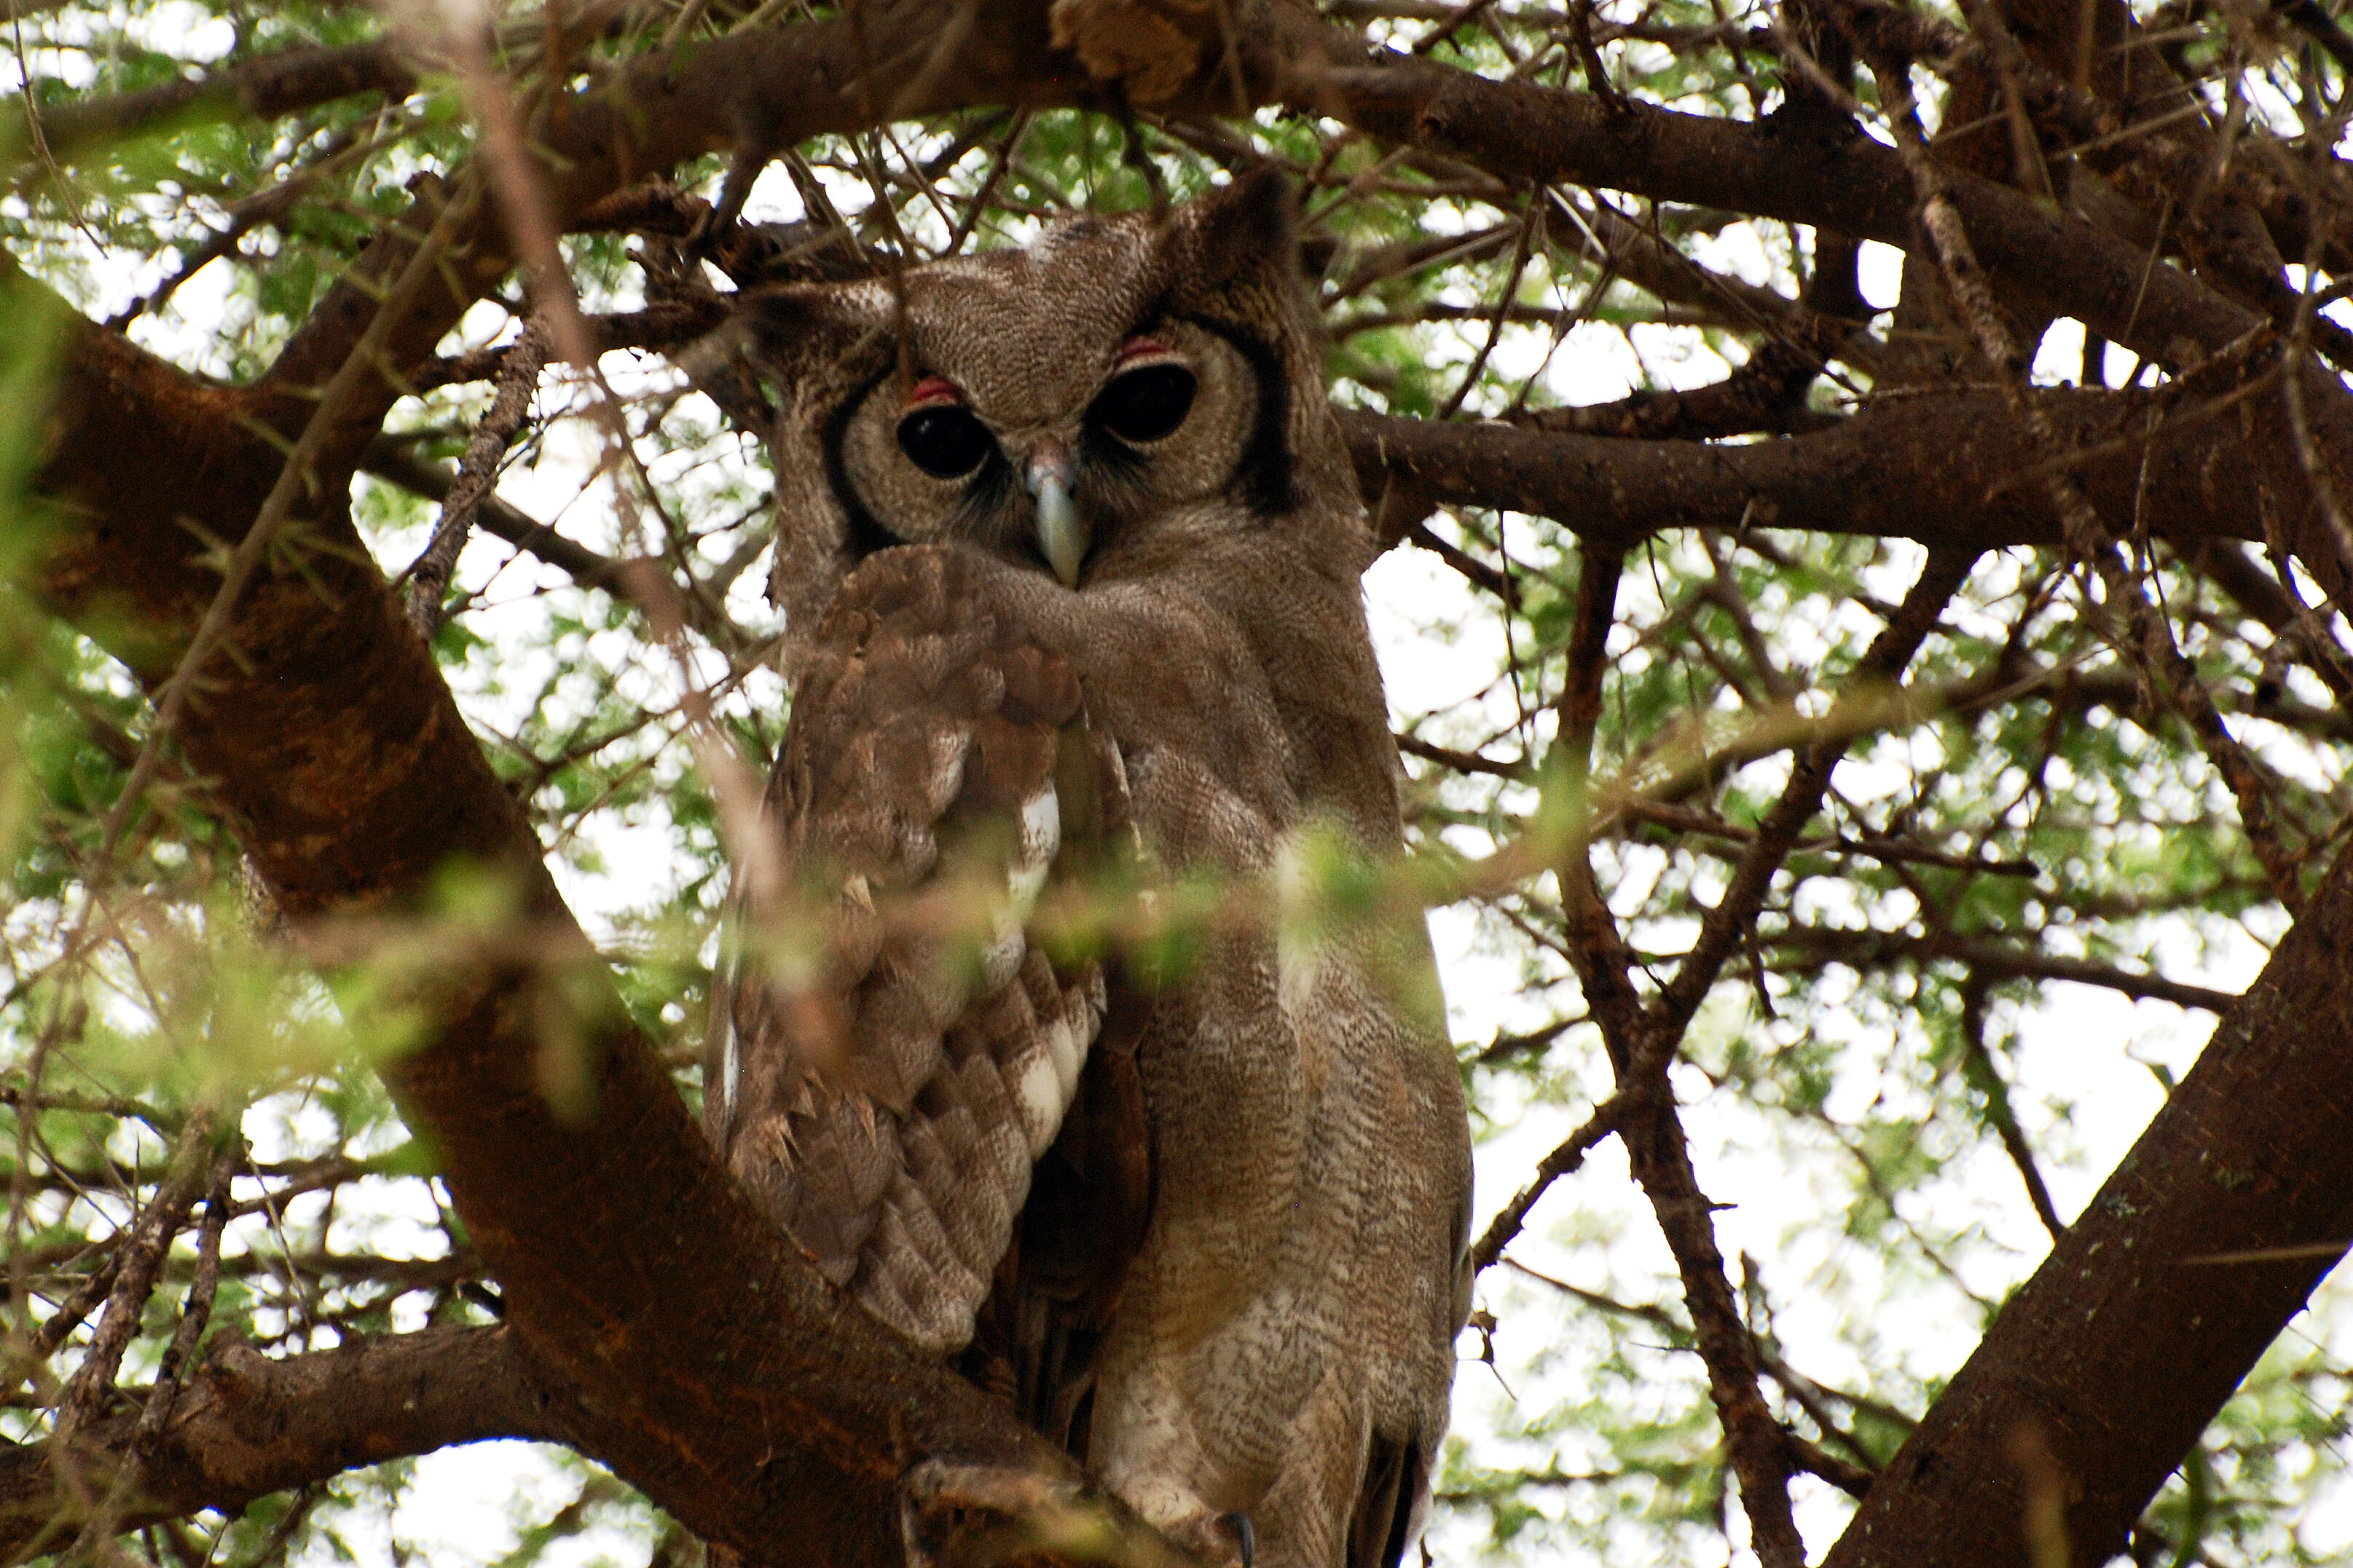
(1068,549)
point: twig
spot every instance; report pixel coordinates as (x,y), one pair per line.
(999,162)
(1496,582)
(1564,1161)
(1596,74)
(1998,1107)
(1735,913)
(518,382)
(1503,1047)
(195,1311)
(1863,948)
(1464,762)
(130,1478)
(2146,636)
(142,1260)
(1512,276)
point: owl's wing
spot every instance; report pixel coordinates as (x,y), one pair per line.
(886,1083)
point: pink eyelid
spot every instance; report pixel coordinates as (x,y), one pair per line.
(933,389)
(1140,347)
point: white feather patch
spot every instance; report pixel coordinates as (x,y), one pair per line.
(1023,884)
(1040,839)
(1042,1095)
(1002,958)
(948,752)
(1066,1054)
(731,1075)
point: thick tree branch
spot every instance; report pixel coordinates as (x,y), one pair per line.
(246,1425)
(718,1373)
(1943,468)
(2131,1335)
(283,83)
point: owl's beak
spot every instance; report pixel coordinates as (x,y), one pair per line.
(1062,531)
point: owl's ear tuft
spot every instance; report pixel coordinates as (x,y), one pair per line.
(796,324)
(1248,227)
(816,345)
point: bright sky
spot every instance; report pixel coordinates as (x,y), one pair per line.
(2082,1047)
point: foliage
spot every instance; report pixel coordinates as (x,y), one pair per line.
(1924,1024)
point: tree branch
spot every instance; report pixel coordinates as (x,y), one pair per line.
(246,1425)
(394,463)
(757,91)
(1941,468)
(283,83)
(717,1371)
(1852,184)
(1990,957)
(2121,1366)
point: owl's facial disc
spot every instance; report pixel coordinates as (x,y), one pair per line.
(1086,453)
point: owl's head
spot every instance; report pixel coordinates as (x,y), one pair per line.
(1110,403)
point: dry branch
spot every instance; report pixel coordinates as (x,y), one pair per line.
(2121,1364)
(246,1425)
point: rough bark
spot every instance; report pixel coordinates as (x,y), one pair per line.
(2198,1249)
(246,1425)
(1947,468)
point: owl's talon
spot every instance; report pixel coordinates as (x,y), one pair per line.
(944,1504)
(1241,1525)
(952,1511)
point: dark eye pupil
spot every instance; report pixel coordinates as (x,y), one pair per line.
(945,442)
(1146,405)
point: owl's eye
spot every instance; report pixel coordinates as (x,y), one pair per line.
(1146,404)
(944,441)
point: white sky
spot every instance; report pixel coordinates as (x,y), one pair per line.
(2083,1047)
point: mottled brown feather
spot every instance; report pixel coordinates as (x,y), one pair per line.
(922,726)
